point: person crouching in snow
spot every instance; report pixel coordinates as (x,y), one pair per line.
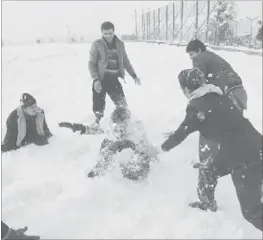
(215,116)
(25,125)
(126,132)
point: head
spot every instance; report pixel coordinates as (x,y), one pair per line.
(194,47)
(28,104)
(107,30)
(119,122)
(190,80)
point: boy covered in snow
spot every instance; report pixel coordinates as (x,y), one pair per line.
(25,125)
(215,116)
(125,132)
(219,72)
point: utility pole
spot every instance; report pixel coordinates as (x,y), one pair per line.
(182,17)
(196,18)
(136,31)
(173,19)
(69,40)
(251,23)
(207,20)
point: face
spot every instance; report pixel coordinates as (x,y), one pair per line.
(119,130)
(108,35)
(30,110)
(192,55)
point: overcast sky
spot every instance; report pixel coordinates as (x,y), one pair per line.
(30,19)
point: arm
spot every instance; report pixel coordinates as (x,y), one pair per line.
(11,134)
(190,124)
(93,62)
(127,64)
(200,62)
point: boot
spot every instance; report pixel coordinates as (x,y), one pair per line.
(212,206)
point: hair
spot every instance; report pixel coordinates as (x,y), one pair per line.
(120,114)
(195,46)
(107,26)
(191,79)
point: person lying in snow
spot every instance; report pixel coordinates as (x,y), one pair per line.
(9,233)
(240,145)
(25,125)
(125,132)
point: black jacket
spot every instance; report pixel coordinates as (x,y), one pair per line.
(31,132)
(218,120)
(217,70)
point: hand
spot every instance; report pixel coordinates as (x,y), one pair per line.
(137,81)
(97,86)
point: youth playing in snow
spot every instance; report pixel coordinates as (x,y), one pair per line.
(25,125)
(107,62)
(125,132)
(216,117)
(219,72)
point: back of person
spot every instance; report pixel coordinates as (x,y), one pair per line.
(239,141)
(217,71)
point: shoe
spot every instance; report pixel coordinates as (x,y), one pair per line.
(212,206)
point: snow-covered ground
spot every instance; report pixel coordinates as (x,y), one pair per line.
(46,188)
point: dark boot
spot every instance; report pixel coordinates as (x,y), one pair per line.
(204,206)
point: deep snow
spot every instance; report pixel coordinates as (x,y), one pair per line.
(46,189)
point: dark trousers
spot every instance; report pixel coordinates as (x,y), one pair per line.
(112,86)
(248,183)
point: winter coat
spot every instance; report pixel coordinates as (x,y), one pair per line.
(218,71)
(218,120)
(23,129)
(98,59)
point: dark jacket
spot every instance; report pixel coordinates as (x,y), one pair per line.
(218,71)
(218,120)
(98,59)
(31,132)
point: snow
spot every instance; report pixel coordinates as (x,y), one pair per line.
(46,188)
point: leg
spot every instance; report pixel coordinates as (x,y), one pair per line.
(248,184)
(115,91)
(207,179)
(98,102)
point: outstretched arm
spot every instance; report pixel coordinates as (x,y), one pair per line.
(190,124)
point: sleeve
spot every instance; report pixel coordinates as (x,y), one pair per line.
(200,63)
(4,229)
(93,62)
(11,134)
(48,134)
(127,64)
(191,123)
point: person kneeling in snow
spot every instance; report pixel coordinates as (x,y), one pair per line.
(126,132)
(26,125)
(215,116)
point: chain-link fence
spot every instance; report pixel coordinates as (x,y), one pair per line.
(180,21)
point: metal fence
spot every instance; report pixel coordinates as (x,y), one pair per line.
(180,21)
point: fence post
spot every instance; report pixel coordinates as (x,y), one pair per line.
(166,22)
(207,20)
(173,19)
(182,17)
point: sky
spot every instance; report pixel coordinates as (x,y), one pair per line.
(23,20)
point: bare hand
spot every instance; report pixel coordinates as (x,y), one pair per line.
(137,81)
(97,86)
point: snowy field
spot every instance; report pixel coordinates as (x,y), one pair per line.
(46,188)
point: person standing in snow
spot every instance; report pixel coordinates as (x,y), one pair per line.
(216,117)
(219,72)
(126,132)
(107,61)
(25,125)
